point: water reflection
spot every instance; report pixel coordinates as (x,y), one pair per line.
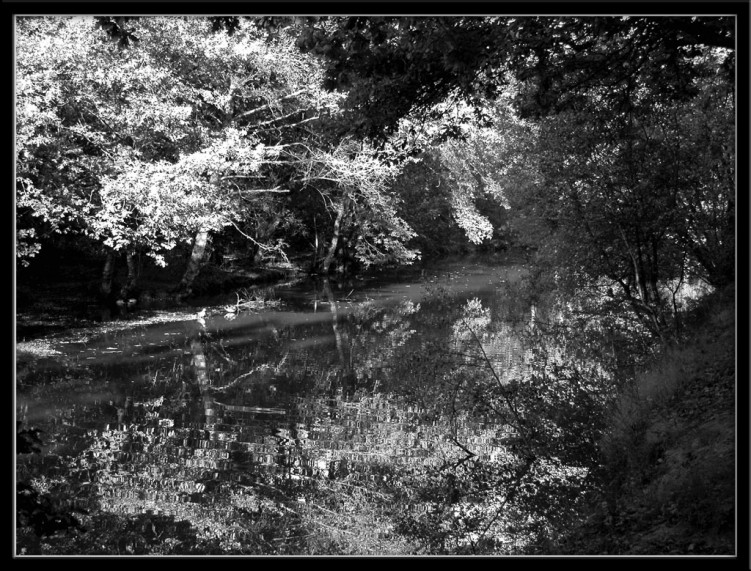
(196,418)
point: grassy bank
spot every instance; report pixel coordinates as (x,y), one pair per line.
(669,472)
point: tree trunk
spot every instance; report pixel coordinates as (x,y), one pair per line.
(130,284)
(199,364)
(107,274)
(334,239)
(204,381)
(335,323)
(315,243)
(201,247)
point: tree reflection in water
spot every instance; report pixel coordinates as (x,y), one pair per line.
(383,425)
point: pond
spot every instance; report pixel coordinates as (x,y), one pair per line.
(216,415)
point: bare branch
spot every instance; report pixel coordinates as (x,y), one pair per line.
(268,105)
(275,119)
(265,247)
(275,190)
(504,392)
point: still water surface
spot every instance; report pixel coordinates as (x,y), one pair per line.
(332,384)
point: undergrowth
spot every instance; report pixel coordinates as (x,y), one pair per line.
(668,458)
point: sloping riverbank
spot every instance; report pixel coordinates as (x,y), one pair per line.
(669,459)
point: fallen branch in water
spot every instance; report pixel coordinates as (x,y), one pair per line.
(251,301)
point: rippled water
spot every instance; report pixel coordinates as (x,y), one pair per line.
(194,418)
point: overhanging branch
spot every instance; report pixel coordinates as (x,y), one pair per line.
(268,105)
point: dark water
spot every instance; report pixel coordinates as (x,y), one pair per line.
(334,385)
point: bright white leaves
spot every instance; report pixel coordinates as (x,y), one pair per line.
(155,205)
(362,181)
(162,138)
(476,227)
(233,153)
(487,164)
(135,133)
(473,324)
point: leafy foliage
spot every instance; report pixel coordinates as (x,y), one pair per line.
(391,66)
(140,145)
(607,142)
(39,512)
(616,196)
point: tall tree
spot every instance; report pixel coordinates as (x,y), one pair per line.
(174,133)
(613,185)
(632,196)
